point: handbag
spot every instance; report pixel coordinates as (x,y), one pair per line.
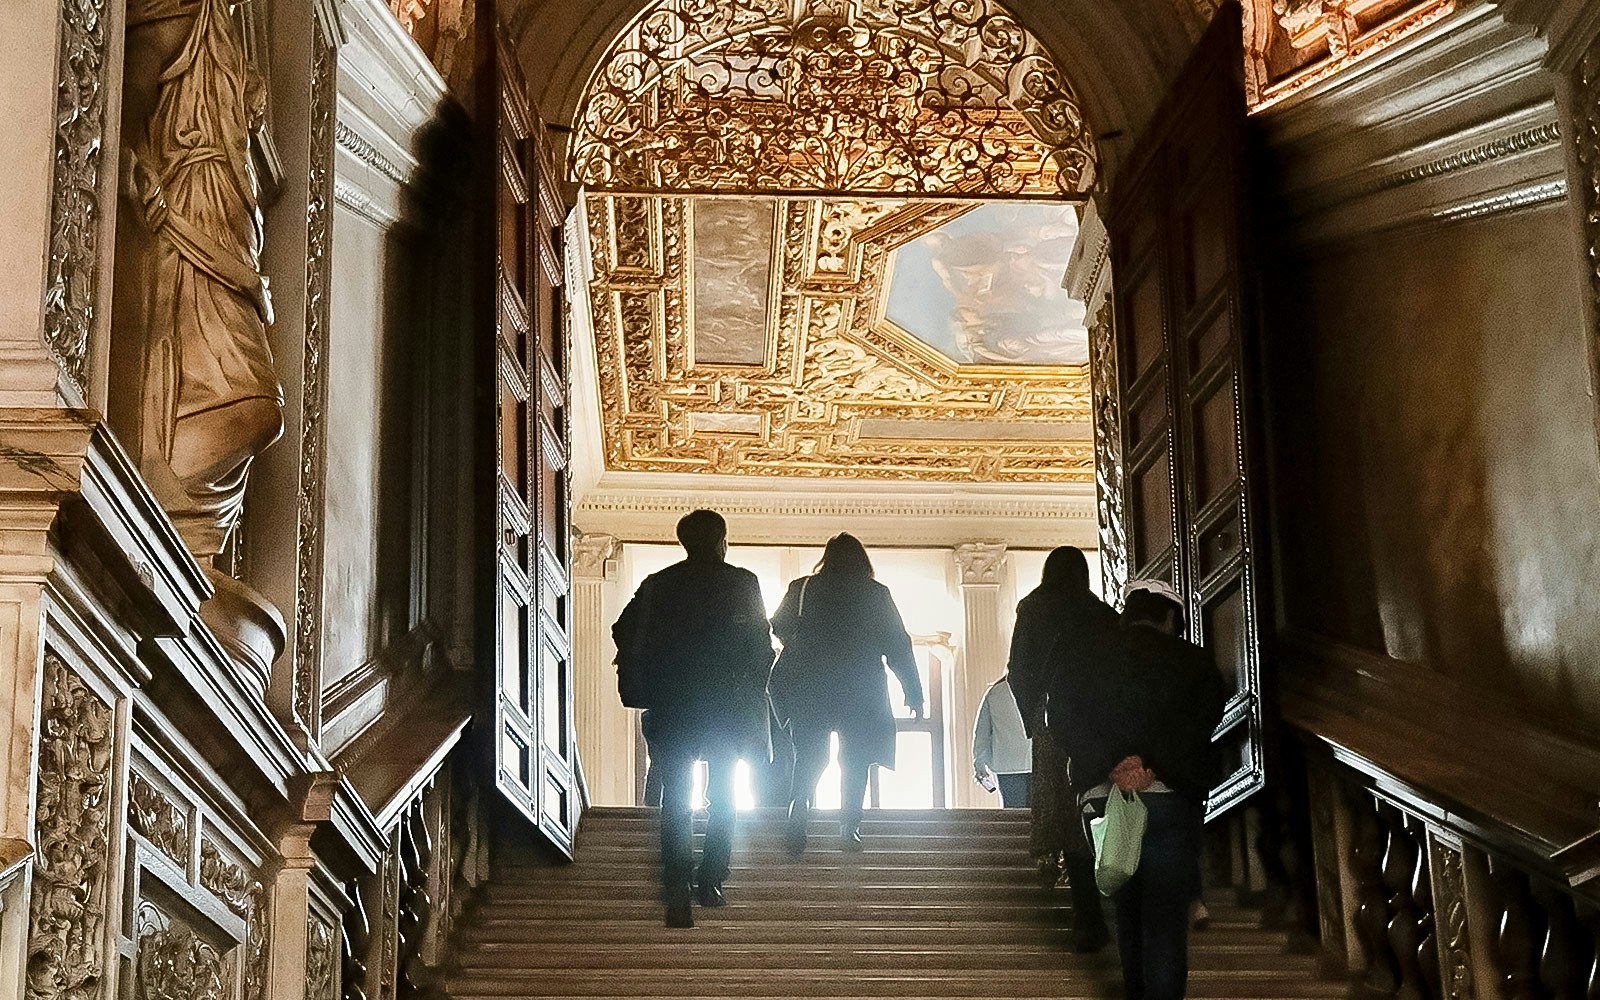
(1118,837)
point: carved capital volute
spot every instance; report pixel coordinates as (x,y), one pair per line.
(980,563)
(590,552)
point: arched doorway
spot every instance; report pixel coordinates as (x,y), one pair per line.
(842,133)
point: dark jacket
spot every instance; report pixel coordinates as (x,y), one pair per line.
(694,648)
(1143,692)
(1054,624)
(837,633)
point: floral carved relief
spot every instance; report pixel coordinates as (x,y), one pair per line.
(71,280)
(321,961)
(1108,454)
(158,819)
(175,962)
(73,825)
(247,898)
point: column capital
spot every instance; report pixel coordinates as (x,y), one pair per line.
(590,551)
(980,563)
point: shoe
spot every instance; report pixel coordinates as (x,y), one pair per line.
(680,914)
(794,835)
(709,894)
(850,838)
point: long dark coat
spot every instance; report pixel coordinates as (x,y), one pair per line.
(1053,625)
(694,648)
(838,632)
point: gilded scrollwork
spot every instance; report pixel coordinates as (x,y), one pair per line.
(158,819)
(1108,453)
(949,97)
(71,281)
(841,383)
(73,826)
(174,961)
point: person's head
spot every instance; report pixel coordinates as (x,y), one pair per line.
(1066,568)
(703,534)
(1155,609)
(844,555)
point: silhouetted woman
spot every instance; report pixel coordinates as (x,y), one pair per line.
(839,627)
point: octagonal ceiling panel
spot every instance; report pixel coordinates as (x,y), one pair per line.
(985,287)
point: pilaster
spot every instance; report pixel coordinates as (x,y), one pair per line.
(979,566)
(605,728)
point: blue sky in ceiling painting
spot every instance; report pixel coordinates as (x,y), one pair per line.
(985,287)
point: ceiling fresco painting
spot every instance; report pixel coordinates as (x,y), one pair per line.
(985,288)
(827,386)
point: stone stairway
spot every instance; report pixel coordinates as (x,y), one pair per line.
(941,904)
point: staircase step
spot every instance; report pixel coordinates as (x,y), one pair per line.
(940,904)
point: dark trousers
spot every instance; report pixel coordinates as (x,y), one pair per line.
(811,759)
(1014,790)
(1153,907)
(676,769)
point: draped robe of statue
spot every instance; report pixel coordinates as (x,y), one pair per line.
(211,398)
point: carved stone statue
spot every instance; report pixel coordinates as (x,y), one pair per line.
(211,399)
(192,299)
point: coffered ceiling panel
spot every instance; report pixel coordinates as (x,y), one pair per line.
(753,336)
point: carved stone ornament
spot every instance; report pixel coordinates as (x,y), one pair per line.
(1450,914)
(311,505)
(949,97)
(247,898)
(321,962)
(1586,138)
(1108,454)
(980,563)
(73,824)
(158,819)
(175,962)
(72,278)
(834,367)
(589,554)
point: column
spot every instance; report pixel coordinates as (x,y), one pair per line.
(605,728)
(979,566)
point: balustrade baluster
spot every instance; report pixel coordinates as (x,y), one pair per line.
(1427,953)
(357,939)
(1372,912)
(416,854)
(1521,931)
(1399,870)
(1563,961)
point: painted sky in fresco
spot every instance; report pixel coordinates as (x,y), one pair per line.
(985,287)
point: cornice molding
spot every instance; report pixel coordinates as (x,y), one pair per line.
(358,146)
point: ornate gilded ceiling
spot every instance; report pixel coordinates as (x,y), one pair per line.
(831,97)
(749,337)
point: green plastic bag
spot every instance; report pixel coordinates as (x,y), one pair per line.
(1118,836)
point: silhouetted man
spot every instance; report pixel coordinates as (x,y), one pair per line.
(1056,624)
(693,647)
(1143,708)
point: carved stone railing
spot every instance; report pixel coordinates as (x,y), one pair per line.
(1454,838)
(420,780)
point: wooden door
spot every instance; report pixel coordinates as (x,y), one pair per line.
(535,744)
(1183,330)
